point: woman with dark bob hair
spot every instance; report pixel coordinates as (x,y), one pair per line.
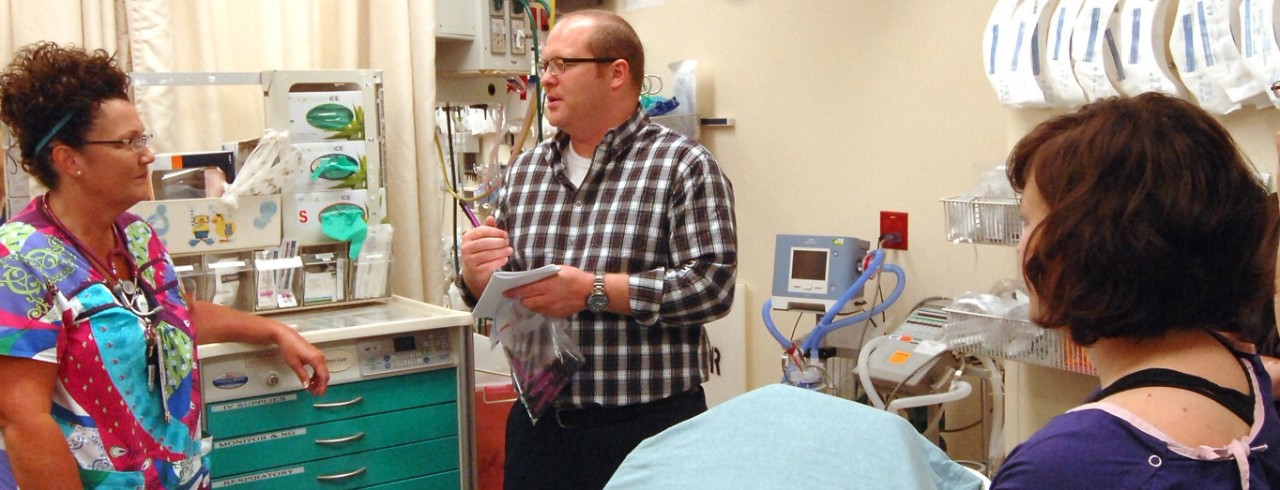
(99,385)
(1146,237)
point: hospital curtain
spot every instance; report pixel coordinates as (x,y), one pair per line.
(88,23)
(395,36)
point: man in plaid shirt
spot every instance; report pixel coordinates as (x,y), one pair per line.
(640,220)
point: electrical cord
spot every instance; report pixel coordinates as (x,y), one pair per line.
(491,182)
(966,427)
(893,393)
(982,401)
(536,78)
(794,328)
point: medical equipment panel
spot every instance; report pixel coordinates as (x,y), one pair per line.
(911,361)
(396,414)
(485,37)
(811,271)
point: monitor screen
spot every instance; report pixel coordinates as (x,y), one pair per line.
(405,343)
(809,264)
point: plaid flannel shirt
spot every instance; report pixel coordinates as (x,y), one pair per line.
(655,205)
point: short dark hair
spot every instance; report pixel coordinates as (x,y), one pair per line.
(1155,222)
(613,37)
(46,83)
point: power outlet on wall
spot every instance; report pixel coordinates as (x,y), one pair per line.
(893,229)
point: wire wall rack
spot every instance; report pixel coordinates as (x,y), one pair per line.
(982,220)
(1014,340)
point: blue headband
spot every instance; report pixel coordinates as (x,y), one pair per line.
(47,137)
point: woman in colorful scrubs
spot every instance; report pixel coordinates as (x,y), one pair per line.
(1146,240)
(97,343)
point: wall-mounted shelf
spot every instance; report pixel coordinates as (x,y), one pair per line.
(1014,340)
(982,220)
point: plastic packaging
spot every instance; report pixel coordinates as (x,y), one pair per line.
(542,356)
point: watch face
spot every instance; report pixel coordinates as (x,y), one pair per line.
(597,302)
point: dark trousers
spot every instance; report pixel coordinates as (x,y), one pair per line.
(580,449)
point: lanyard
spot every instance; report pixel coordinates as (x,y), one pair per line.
(125,290)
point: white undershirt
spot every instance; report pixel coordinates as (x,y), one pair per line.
(575,166)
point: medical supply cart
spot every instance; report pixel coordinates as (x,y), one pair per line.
(396,415)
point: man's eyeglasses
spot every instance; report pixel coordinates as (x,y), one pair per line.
(556,66)
(136,143)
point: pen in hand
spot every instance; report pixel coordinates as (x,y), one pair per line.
(471,216)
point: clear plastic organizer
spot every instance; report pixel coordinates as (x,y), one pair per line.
(311,275)
(983,220)
(370,277)
(264,280)
(1014,340)
(217,278)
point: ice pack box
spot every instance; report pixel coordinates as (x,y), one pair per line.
(307,211)
(331,165)
(326,116)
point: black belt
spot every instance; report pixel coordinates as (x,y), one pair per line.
(569,418)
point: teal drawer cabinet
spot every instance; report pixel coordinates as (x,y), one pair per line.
(398,413)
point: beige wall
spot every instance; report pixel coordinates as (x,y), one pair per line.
(844,109)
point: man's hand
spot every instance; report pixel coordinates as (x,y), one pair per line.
(484,250)
(558,296)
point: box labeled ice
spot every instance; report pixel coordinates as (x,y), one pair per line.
(331,165)
(311,213)
(326,116)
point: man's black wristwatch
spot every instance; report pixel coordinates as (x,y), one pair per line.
(598,301)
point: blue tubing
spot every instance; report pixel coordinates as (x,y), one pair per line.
(768,323)
(877,258)
(814,340)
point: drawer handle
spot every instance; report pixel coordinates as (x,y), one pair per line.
(341,440)
(342,476)
(347,403)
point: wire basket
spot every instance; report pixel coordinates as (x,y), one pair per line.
(1014,340)
(983,220)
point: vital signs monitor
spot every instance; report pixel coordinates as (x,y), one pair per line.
(810,272)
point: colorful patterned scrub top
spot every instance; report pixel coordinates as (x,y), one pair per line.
(127,425)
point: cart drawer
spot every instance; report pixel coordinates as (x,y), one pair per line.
(301,444)
(355,471)
(449,480)
(298,408)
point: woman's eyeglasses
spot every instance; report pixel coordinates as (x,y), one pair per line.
(136,143)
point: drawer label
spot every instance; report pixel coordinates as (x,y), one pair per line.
(230,381)
(239,441)
(267,475)
(253,403)
(339,359)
